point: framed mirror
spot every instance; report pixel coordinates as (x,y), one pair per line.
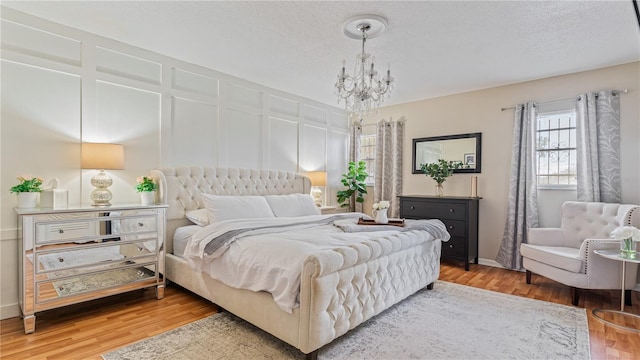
(465,148)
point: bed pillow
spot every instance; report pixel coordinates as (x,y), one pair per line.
(221,208)
(292,205)
(198,217)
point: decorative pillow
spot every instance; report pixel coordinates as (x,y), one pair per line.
(198,217)
(292,205)
(221,208)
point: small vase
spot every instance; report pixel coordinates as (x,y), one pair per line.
(628,248)
(28,200)
(148,197)
(381,216)
(439,190)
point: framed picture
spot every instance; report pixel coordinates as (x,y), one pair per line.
(470,159)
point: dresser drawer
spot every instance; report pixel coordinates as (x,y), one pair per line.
(455,227)
(433,210)
(84,283)
(54,262)
(454,248)
(65,231)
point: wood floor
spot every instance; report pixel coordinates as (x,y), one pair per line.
(85,331)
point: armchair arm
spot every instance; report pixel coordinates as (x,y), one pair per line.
(545,236)
(588,246)
(603,273)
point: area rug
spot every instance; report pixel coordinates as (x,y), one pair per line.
(449,322)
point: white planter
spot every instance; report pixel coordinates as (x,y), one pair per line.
(28,199)
(148,197)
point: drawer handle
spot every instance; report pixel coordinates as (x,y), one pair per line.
(60,259)
(413,208)
(61,288)
(60,231)
(451,227)
(140,224)
(451,210)
(451,246)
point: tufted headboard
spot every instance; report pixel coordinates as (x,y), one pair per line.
(182,187)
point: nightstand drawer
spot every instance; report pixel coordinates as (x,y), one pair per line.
(431,210)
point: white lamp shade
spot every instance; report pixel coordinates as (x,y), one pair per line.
(102,156)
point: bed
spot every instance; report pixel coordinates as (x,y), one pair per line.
(339,288)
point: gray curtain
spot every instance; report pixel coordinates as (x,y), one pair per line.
(522,210)
(354,155)
(388,171)
(598,147)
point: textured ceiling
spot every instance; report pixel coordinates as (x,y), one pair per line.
(435,48)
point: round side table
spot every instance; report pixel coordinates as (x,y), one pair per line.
(598,313)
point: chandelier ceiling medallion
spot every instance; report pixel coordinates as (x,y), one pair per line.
(363,92)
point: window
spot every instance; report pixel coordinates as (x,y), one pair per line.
(556,149)
(368,151)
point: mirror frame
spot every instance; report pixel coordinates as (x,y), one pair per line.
(477,136)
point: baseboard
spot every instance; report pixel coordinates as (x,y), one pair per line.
(493,263)
(9,311)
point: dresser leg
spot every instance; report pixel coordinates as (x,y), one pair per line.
(29,324)
(466,265)
(160,292)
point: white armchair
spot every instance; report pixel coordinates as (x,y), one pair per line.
(566,254)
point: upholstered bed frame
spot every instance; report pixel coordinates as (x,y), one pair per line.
(335,290)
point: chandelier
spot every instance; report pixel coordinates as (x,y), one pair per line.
(363,92)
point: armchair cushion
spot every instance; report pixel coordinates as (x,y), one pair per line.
(545,236)
(558,256)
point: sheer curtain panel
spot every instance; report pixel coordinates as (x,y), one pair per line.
(522,209)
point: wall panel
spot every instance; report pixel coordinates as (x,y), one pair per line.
(313,148)
(194,136)
(40,44)
(283,144)
(130,67)
(128,116)
(242,139)
(195,83)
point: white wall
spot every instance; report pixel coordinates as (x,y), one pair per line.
(62,86)
(480,111)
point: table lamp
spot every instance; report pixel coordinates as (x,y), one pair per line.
(318,179)
(102,157)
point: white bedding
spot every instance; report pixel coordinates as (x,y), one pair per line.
(270,259)
(181,238)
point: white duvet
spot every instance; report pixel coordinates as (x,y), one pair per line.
(270,257)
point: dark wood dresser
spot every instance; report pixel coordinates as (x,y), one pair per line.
(460,216)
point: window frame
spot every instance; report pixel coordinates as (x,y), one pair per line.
(567,109)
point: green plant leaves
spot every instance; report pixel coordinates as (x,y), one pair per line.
(441,170)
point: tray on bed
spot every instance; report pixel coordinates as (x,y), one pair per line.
(392,222)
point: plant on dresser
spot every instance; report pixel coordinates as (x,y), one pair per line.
(83,253)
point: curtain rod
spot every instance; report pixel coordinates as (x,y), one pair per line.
(615,92)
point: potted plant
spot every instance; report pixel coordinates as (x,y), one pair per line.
(440,171)
(147,189)
(356,188)
(27,190)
